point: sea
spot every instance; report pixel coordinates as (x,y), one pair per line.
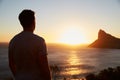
(69,62)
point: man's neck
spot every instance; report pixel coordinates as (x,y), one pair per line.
(28,30)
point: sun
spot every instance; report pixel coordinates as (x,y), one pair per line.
(72,36)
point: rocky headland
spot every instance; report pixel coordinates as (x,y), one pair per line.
(106,40)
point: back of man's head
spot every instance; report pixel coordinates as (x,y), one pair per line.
(26,18)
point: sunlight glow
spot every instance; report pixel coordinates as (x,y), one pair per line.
(73,58)
(73,61)
(72,36)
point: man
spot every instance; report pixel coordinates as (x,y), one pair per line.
(27,52)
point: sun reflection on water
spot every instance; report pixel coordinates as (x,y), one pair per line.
(73,61)
(73,65)
(73,71)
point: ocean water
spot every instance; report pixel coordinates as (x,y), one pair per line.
(70,62)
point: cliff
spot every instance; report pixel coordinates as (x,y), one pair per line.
(106,40)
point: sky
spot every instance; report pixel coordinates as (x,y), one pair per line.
(62,20)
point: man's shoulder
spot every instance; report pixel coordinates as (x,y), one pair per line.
(15,37)
(27,38)
(38,37)
(28,35)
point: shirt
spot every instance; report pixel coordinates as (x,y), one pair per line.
(26,48)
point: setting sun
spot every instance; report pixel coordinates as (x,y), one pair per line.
(72,36)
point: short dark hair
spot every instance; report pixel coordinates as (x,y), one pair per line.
(26,17)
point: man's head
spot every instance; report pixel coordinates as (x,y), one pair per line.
(27,19)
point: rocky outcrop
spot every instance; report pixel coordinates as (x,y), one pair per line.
(106,40)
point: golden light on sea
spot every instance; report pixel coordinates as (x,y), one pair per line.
(73,61)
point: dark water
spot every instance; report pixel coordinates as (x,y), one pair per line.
(71,62)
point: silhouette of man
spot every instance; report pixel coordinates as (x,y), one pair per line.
(27,51)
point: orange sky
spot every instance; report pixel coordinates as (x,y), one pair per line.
(56,19)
